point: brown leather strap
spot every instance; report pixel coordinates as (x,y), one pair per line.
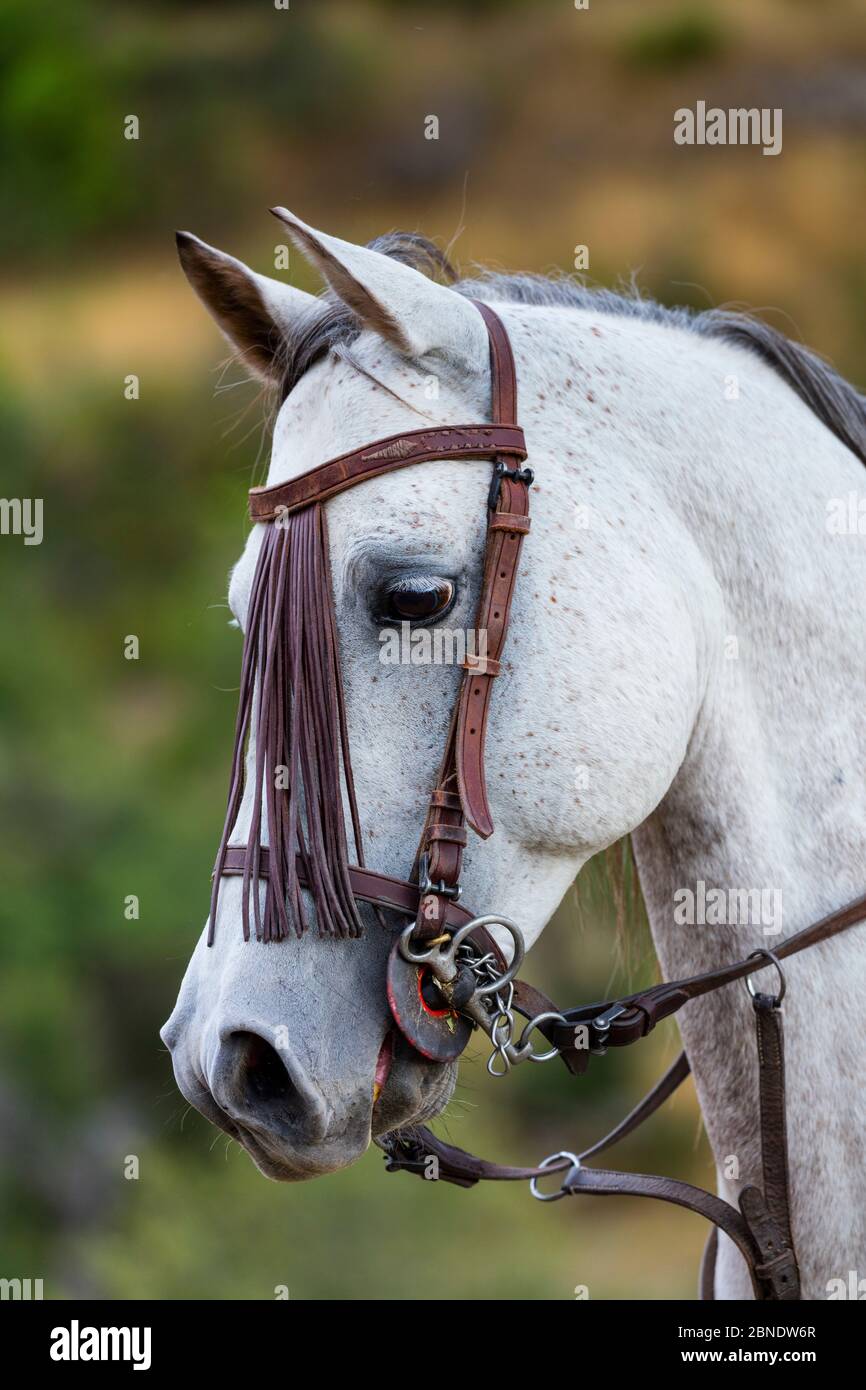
(761,1229)
(776,1267)
(503,374)
(439,859)
(707,1275)
(669,1083)
(460,1164)
(380,889)
(509,521)
(494,611)
(448,801)
(413,1152)
(600,1182)
(461,771)
(643,1010)
(452,834)
(774,1136)
(508,524)
(396,451)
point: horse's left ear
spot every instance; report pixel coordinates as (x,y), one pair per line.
(405,307)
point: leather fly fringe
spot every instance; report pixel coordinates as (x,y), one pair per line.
(291,697)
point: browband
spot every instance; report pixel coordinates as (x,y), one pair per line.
(397,451)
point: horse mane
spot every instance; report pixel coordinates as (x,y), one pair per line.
(835,402)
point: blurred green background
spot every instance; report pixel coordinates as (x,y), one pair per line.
(555,130)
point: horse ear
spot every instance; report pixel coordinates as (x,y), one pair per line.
(253,311)
(400,304)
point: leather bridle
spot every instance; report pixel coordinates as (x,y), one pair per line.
(446,974)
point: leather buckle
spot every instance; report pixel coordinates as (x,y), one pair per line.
(426,884)
(500,471)
(600,1027)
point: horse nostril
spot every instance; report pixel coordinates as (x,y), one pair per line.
(266,1089)
(264,1075)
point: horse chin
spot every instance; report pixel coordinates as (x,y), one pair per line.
(408,1091)
(415,1090)
(316,1162)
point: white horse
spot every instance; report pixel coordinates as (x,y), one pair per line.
(686,663)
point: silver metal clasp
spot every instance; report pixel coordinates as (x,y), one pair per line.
(562,1190)
(600,1027)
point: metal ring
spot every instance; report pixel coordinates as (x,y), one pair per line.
(773,959)
(523,1040)
(405,949)
(516,960)
(545,1163)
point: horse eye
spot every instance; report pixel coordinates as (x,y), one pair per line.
(417,600)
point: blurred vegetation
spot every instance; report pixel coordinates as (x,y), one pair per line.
(678,40)
(112,773)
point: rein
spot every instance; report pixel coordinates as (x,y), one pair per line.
(761,1228)
(446,973)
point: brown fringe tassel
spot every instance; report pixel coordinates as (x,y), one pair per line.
(291,694)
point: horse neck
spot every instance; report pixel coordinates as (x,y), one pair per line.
(772,794)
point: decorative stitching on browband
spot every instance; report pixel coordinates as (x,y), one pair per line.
(396,451)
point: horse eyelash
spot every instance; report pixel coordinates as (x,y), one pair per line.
(407,583)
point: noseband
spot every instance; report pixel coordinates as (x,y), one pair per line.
(446,974)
